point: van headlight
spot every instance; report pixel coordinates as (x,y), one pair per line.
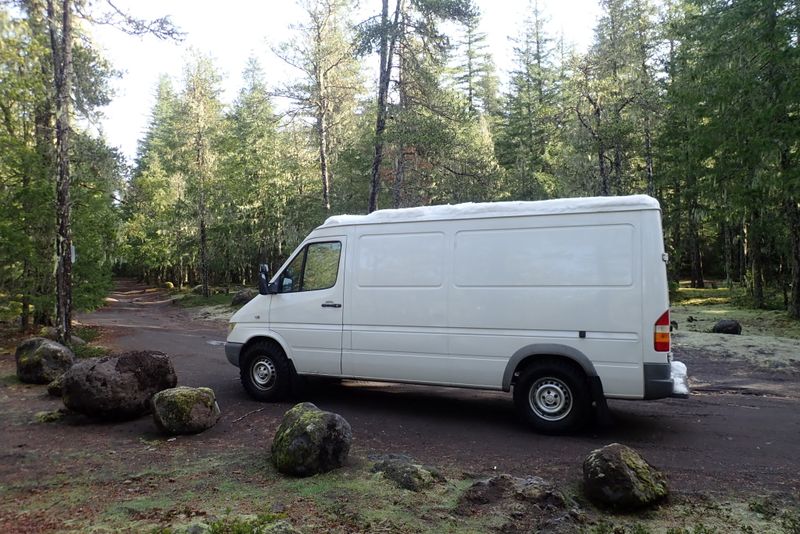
(231,326)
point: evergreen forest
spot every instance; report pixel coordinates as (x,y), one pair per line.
(694,102)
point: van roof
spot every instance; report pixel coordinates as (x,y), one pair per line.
(481,210)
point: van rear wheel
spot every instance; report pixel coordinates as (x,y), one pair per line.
(265,375)
(552,397)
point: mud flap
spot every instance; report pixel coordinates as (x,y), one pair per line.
(603,416)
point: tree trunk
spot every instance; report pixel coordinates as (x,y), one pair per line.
(601,158)
(696,257)
(793,212)
(322,138)
(727,246)
(62,62)
(617,168)
(756,260)
(648,156)
(387,53)
(323,161)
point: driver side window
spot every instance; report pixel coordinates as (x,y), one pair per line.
(315,267)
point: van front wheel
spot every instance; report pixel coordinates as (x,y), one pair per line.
(265,374)
(553,397)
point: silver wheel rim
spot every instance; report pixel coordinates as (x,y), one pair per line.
(263,373)
(550,399)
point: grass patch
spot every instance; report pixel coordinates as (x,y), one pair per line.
(87,333)
(697,310)
(243,524)
(10,380)
(89,351)
(700,297)
(238,491)
(190,300)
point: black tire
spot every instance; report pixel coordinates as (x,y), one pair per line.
(553,397)
(265,372)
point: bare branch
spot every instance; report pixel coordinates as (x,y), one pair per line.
(161,28)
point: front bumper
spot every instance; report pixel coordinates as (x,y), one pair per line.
(662,380)
(232,351)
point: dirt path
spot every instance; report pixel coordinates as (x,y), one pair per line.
(726,437)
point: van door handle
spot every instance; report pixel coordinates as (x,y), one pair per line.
(331,305)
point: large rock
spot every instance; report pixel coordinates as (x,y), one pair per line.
(185,410)
(727,326)
(618,477)
(118,386)
(310,441)
(40,360)
(405,473)
(243,297)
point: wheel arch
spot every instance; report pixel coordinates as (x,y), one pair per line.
(265,338)
(535,352)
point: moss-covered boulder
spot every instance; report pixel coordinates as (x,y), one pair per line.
(185,410)
(311,441)
(618,477)
(50,332)
(118,386)
(40,360)
(405,473)
(243,297)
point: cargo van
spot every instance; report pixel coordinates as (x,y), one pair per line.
(564,301)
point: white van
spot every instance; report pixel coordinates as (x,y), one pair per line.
(565,301)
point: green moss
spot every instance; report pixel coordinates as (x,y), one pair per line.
(175,405)
(49,417)
(652,486)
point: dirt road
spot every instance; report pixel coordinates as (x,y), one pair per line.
(727,437)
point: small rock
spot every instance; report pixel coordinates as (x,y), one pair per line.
(277,508)
(244,296)
(75,341)
(310,441)
(198,528)
(532,489)
(185,410)
(169,285)
(117,386)
(727,326)
(280,527)
(618,477)
(50,332)
(56,387)
(40,360)
(407,474)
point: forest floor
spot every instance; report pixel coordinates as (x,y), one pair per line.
(729,451)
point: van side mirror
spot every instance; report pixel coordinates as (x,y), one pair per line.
(264,286)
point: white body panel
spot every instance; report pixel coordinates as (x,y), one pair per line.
(449,296)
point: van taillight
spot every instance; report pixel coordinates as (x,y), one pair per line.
(661,335)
